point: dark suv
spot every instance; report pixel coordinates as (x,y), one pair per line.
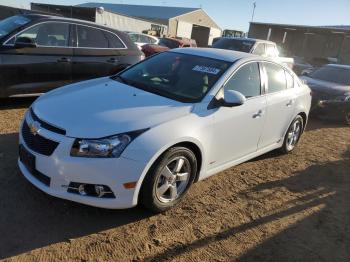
(39,53)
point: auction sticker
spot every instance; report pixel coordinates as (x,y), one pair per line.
(206,69)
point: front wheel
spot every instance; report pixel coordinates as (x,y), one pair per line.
(169,179)
(347,118)
(293,135)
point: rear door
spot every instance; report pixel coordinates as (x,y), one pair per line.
(97,53)
(38,69)
(281,99)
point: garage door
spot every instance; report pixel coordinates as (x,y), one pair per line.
(184,29)
(214,32)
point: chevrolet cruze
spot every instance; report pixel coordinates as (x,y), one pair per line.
(148,133)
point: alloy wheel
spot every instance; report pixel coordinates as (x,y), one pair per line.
(347,118)
(294,133)
(173,180)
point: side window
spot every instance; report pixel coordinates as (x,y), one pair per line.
(144,39)
(271,51)
(113,40)
(134,38)
(48,34)
(276,79)
(91,37)
(290,80)
(259,50)
(152,40)
(246,80)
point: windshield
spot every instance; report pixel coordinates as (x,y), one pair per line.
(12,23)
(332,74)
(168,43)
(234,44)
(182,77)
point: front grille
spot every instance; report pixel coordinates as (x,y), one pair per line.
(41,177)
(37,143)
(47,125)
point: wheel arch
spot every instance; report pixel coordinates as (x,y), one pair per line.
(304,116)
(191,144)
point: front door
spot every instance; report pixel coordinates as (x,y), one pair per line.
(237,129)
(41,68)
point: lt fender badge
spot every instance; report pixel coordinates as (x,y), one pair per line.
(34,127)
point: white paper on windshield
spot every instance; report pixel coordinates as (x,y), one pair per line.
(206,69)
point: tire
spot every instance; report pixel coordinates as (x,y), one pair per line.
(166,183)
(347,118)
(293,135)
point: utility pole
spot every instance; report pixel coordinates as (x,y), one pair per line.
(254,6)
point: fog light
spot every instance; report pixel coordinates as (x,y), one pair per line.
(90,190)
(100,190)
(81,190)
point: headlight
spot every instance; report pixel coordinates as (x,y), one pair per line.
(110,147)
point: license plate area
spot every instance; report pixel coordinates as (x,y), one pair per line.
(27,158)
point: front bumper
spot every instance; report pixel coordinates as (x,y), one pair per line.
(62,169)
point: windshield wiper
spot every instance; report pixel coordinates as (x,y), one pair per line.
(122,79)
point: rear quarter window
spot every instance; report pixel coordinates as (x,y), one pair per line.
(113,40)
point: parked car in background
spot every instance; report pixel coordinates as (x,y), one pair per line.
(146,134)
(167,43)
(300,65)
(39,53)
(142,39)
(254,46)
(330,87)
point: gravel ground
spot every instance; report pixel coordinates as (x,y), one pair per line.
(275,208)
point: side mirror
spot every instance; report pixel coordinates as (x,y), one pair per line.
(24,42)
(233,98)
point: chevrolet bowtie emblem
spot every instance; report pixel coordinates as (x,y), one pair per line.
(34,127)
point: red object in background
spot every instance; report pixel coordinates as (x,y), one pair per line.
(167,43)
(150,49)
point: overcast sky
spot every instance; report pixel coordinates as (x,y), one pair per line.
(236,14)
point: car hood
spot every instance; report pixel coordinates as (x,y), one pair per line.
(105,107)
(330,88)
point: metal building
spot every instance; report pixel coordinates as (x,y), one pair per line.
(104,17)
(7,11)
(192,23)
(310,42)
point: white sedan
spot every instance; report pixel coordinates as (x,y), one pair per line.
(147,134)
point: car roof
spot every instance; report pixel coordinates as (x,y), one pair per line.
(60,18)
(137,33)
(248,39)
(339,66)
(220,54)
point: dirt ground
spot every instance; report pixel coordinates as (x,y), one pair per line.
(275,208)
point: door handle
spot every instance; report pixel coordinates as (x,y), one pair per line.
(290,103)
(64,60)
(112,60)
(258,114)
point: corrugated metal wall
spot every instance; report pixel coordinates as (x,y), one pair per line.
(124,23)
(308,42)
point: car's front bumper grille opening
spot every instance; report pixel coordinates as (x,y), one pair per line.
(92,190)
(38,143)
